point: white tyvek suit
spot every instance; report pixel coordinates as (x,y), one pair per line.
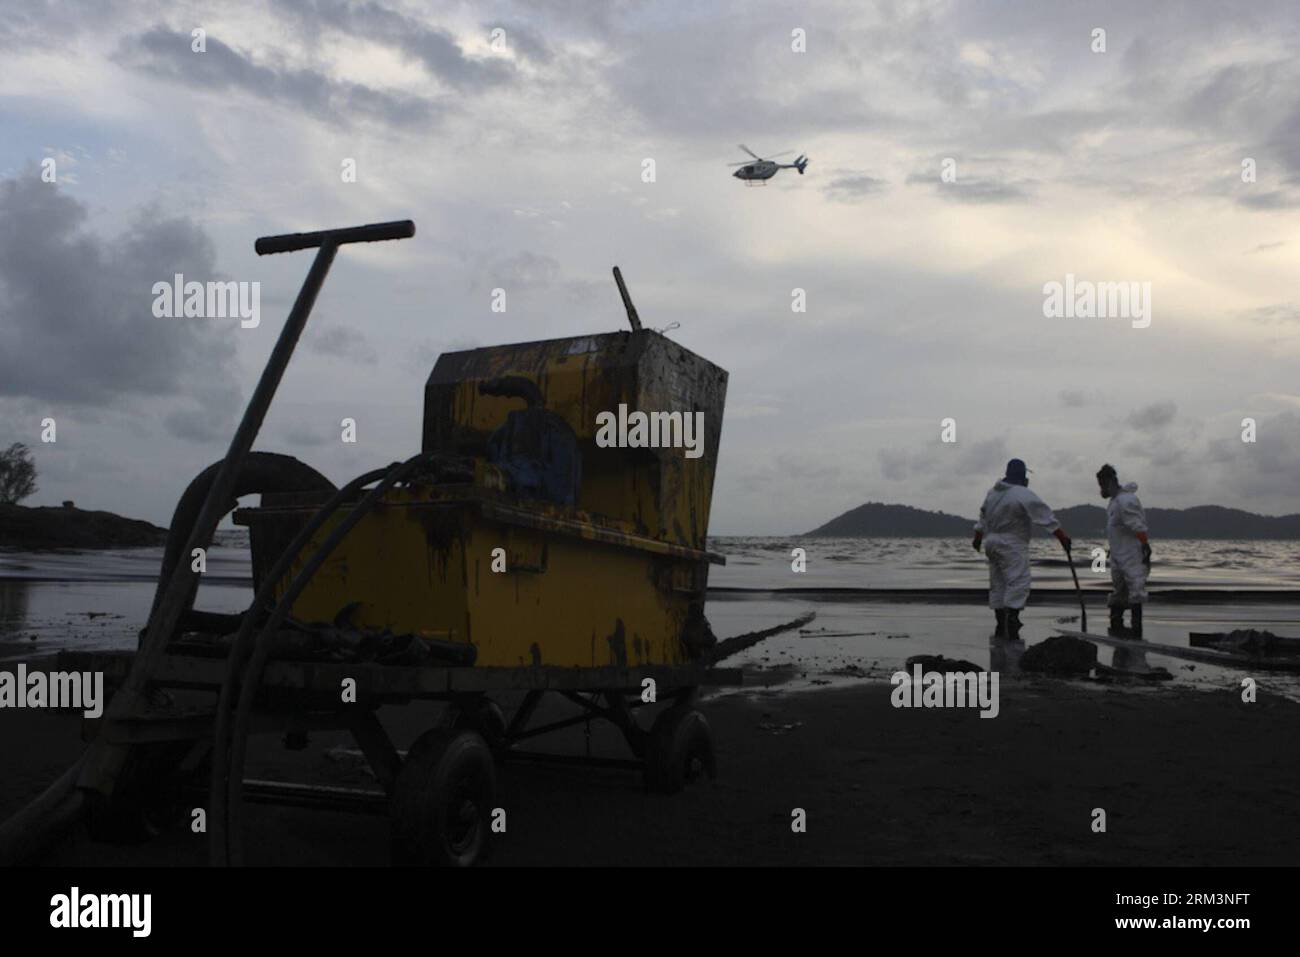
(1007,516)
(1128,576)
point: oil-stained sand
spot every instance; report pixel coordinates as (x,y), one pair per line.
(1185,777)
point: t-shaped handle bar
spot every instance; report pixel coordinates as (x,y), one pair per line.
(374,232)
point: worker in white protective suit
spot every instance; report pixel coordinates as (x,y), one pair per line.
(1130,552)
(1007,517)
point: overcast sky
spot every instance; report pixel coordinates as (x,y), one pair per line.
(522,167)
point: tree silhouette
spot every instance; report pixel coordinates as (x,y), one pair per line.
(17,474)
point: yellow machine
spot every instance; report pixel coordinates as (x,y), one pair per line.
(534,540)
(549,540)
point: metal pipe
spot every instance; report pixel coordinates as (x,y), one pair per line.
(370,233)
(633,319)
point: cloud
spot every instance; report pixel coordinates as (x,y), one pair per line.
(1272,199)
(48,24)
(422,355)
(340,342)
(304,436)
(1068,161)
(1266,468)
(76,320)
(850,187)
(167,54)
(433,48)
(1278,313)
(197,425)
(523,269)
(1152,418)
(523,42)
(946,465)
(977,189)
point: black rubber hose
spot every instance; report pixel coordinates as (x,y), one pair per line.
(262,648)
(261,472)
(239,652)
(38,825)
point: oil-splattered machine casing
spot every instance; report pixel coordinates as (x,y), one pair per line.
(616,578)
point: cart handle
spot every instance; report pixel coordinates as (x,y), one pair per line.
(371,233)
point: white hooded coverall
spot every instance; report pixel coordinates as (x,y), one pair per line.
(1128,576)
(1008,514)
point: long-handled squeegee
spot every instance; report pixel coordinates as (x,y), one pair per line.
(1083,612)
(100,766)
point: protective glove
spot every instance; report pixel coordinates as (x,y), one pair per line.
(1146,554)
(975,542)
(1063,538)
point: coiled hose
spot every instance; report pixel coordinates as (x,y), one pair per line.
(61,806)
(230,736)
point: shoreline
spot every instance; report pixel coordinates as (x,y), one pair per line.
(1095,595)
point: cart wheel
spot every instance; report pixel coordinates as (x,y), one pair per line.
(442,802)
(680,751)
(485,717)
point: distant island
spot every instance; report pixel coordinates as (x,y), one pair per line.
(71,527)
(878,520)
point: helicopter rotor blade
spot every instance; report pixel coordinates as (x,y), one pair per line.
(782,153)
(750,152)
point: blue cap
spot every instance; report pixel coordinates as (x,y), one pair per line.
(1017,473)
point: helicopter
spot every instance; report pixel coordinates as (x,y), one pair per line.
(759,170)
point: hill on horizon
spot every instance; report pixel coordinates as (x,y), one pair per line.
(879,520)
(47,526)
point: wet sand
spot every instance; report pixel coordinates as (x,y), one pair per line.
(1187,772)
(854,636)
(1186,776)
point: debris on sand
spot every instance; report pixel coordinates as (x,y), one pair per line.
(772,727)
(1106,673)
(939,663)
(1248,641)
(823,633)
(850,671)
(1060,655)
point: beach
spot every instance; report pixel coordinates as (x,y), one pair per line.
(1185,777)
(1185,770)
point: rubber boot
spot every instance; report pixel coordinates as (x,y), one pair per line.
(1001,615)
(1117,629)
(1013,624)
(1137,659)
